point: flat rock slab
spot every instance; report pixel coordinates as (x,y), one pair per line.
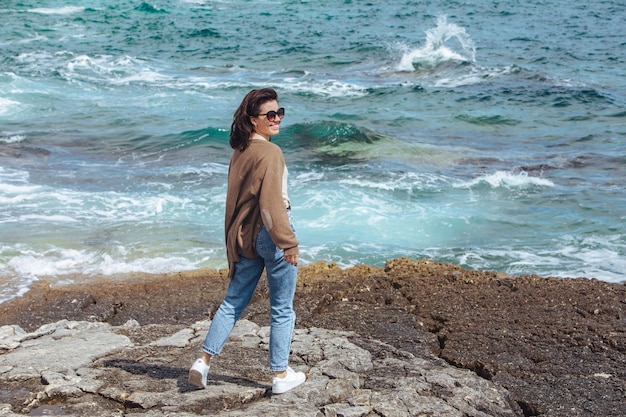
(76,368)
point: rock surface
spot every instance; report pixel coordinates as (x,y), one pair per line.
(414,338)
(95,369)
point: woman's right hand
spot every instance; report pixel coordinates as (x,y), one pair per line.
(292,259)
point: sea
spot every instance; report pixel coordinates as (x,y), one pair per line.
(485,134)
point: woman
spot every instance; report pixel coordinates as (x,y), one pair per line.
(259,234)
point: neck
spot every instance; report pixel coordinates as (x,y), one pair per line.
(258,136)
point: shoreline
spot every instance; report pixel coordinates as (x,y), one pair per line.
(81,281)
(558,345)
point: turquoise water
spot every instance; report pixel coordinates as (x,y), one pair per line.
(488,135)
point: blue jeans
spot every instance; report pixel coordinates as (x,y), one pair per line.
(281,280)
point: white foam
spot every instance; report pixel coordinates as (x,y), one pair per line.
(153,265)
(209,169)
(54,218)
(324,88)
(567,257)
(58,10)
(13,175)
(31,264)
(406,181)
(33,38)
(7,105)
(103,64)
(14,287)
(11,139)
(144,75)
(122,70)
(506,179)
(34,265)
(15,189)
(476,75)
(601,256)
(18,190)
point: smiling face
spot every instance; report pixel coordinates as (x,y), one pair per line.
(262,125)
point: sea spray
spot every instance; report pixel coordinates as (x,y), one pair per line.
(437,50)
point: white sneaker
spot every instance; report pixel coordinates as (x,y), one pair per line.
(292,380)
(198,373)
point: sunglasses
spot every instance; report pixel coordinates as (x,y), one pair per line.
(271,115)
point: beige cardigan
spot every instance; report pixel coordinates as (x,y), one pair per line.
(255,199)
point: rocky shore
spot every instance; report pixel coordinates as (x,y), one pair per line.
(415,338)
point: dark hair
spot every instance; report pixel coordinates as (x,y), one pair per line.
(250,106)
